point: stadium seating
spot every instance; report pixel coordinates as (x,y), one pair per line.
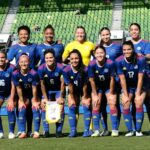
(4,7)
(65,16)
(136,11)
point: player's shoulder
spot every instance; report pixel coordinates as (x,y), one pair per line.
(33,72)
(116,44)
(140,58)
(120,58)
(144,41)
(16,72)
(92,63)
(67,68)
(72,44)
(89,43)
(109,62)
(41,67)
(60,65)
(15,46)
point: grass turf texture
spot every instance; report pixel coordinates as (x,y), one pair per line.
(65,143)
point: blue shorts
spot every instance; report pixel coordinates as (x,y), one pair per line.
(104,91)
(53,95)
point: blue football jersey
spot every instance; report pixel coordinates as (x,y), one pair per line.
(101,74)
(113,51)
(130,70)
(58,49)
(5,80)
(26,81)
(52,78)
(16,50)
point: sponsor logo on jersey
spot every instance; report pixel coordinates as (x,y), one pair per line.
(96,71)
(45,75)
(71,77)
(124,68)
(20,80)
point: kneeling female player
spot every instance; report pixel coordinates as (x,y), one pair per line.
(7,92)
(131,70)
(26,81)
(101,72)
(75,76)
(52,86)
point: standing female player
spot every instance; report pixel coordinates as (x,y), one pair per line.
(131,69)
(75,76)
(7,92)
(52,87)
(80,43)
(26,81)
(101,74)
(15,51)
(49,42)
(113,50)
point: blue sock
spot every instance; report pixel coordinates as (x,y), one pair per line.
(17,119)
(11,120)
(72,118)
(128,119)
(1,126)
(59,125)
(114,119)
(22,120)
(87,117)
(139,118)
(96,119)
(36,118)
(45,123)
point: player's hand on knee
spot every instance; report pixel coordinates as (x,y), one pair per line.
(111,98)
(21,104)
(43,103)
(10,105)
(125,100)
(86,101)
(36,105)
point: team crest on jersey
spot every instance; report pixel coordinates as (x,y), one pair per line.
(56,74)
(7,75)
(106,70)
(20,80)
(20,51)
(30,79)
(45,75)
(124,68)
(138,48)
(86,47)
(71,77)
(136,67)
(96,71)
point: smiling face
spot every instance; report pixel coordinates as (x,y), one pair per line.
(80,35)
(49,35)
(23,36)
(135,32)
(100,54)
(74,60)
(49,59)
(105,36)
(24,62)
(127,51)
(2,59)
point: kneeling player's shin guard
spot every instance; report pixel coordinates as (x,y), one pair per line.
(87,117)
(36,118)
(128,119)
(22,119)
(11,120)
(45,123)
(96,119)
(114,119)
(72,117)
(139,118)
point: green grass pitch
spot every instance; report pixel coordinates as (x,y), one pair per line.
(78,143)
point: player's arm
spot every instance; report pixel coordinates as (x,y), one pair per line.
(93,86)
(11,99)
(43,89)
(11,54)
(112,85)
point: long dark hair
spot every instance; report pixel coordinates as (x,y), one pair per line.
(134,55)
(135,24)
(100,42)
(81,27)
(81,66)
